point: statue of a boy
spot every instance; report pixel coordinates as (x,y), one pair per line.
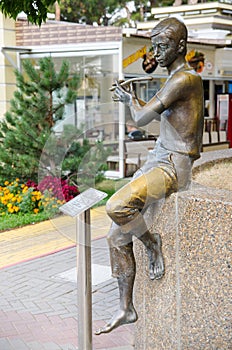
(178,105)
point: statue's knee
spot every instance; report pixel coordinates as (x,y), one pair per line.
(113,208)
(108,207)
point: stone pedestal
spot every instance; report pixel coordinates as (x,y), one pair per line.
(190,307)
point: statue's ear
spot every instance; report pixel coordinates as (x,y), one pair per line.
(181,46)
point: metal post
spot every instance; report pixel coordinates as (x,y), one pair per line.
(84,282)
(79,207)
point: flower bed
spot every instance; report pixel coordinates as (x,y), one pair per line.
(48,195)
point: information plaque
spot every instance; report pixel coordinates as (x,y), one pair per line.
(82,202)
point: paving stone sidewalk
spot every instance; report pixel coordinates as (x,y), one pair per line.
(38,308)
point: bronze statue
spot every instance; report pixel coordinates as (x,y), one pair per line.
(179,107)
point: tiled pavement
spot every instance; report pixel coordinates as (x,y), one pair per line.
(38,308)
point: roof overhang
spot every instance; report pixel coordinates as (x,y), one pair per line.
(16,49)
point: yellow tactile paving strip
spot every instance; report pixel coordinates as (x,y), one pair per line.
(46,237)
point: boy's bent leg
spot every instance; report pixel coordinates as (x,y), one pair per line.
(125,209)
(127,205)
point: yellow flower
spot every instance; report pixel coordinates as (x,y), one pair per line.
(37,195)
(15,208)
(19,199)
(6,183)
(25,188)
(36,210)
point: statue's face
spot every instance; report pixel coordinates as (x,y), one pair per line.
(165,49)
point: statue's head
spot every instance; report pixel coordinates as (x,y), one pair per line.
(170,32)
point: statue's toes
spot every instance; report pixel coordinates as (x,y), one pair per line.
(98,331)
(156,271)
(159,272)
(105,329)
(151,272)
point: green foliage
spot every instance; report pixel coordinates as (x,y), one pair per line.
(74,156)
(75,159)
(9,221)
(100,12)
(85,164)
(36,10)
(37,105)
(103,12)
(89,11)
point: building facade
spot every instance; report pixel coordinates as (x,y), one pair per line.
(100,55)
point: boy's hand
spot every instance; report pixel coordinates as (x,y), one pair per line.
(123,94)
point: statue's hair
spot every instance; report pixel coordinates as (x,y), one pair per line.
(172,27)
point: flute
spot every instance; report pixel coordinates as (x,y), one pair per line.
(132,80)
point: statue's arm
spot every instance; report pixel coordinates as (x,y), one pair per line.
(141,112)
(144,113)
(177,88)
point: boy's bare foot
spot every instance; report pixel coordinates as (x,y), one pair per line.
(120,318)
(156,261)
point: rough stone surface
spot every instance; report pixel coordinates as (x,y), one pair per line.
(189,308)
(212,157)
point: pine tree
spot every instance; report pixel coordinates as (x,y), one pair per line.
(37,105)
